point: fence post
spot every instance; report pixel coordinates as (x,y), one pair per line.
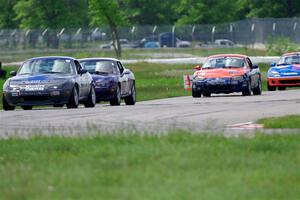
(173,36)
(132,33)
(193,32)
(213,33)
(253,36)
(153,32)
(274,28)
(294,28)
(231,32)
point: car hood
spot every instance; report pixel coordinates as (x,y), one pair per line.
(220,72)
(288,70)
(104,77)
(39,78)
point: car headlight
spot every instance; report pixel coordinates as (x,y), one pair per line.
(12,86)
(273,73)
(237,78)
(199,78)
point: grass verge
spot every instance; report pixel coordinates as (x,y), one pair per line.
(289,121)
(175,166)
(12,56)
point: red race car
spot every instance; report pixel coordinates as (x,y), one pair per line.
(226,73)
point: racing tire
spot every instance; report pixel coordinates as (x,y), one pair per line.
(206,94)
(281,88)
(58,105)
(74,99)
(271,88)
(116,101)
(6,106)
(131,99)
(257,90)
(26,107)
(195,93)
(247,90)
(91,101)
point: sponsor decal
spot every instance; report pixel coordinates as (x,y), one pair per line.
(220,81)
(290,73)
(233,72)
(15,94)
(217,81)
(38,78)
(34,87)
(33,81)
(37,81)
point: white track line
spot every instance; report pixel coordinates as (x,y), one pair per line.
(245,125)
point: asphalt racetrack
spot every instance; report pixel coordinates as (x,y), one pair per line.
(213,114)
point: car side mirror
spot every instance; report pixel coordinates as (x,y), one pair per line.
(254,66)
(82,71)
(13,73)
(126,71)
(273,64)
(198,67)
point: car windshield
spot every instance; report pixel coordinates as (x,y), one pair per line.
(99,66)
(224,62)
(38,66)
(288,60)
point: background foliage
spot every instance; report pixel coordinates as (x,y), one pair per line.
(74,13)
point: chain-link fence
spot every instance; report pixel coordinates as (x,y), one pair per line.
(254,32)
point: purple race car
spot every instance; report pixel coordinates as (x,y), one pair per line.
(112,81)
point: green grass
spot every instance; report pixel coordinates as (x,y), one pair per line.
(155,81)
(289,121)
(175,166)
(12,56)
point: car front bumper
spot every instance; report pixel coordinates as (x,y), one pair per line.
(284,81)
(219,86)
(37,98)
(105,93)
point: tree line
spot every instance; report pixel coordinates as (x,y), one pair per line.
(88,13)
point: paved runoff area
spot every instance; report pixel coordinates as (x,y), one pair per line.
(218,113)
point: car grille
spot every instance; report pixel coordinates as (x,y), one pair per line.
(220,87)
(34,93)
(290,81)
(35,98)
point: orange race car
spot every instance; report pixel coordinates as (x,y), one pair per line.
(226,73)
(286,73)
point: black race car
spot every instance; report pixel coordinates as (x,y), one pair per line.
(112,80)
(49,81)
